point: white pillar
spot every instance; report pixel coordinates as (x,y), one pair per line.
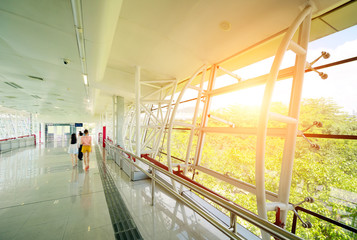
(43,133)
(294,110)
(114,116)
(120,120)
(16,116)
(137,110)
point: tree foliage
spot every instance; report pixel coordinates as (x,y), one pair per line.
(329,175)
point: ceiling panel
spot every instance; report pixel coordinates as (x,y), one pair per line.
(169,39)
(338,19)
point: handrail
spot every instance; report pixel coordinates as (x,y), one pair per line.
(7,139)
(234,209)
(13,138)
(298,208)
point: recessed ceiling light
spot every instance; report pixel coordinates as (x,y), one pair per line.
(225,25)
(12,84)
(35,96)
(36,78)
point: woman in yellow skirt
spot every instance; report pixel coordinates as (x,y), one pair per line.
(86,141)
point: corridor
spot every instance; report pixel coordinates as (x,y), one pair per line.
(43,197)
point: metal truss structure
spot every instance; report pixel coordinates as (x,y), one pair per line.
(151,121)
(15,124)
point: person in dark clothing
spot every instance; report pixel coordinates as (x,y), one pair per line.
(73,150)
(80,154)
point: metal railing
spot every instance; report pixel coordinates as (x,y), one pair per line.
(319,216)
(235,210)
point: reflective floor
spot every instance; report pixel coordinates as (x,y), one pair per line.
(43,197)
(168,218)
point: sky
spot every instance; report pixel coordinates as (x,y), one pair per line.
(340,86)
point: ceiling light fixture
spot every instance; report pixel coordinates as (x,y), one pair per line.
(78,23)
(85,79)
(36,78)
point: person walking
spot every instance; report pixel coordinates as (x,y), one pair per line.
(73,149)
(79,144)
(86,141)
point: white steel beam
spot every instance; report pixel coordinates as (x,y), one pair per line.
(230,73)
(172,123)
(159,81)
(294,110)
(276,132)
(204,120)
(297,48)
(236,182)
(252,82)
(263,118)
(194,120)
(150,85)
(281,118)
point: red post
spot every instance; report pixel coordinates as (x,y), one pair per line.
(104,135)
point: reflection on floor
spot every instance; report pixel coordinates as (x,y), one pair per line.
(168,218)
(43,197)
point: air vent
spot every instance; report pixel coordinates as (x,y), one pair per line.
(36,78)
(10,96)
(14,85)
(35,96)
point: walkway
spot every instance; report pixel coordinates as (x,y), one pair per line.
(43,197)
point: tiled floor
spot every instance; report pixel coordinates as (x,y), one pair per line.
(168,218)
(43,197)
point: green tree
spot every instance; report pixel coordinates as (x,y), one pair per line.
(328,175)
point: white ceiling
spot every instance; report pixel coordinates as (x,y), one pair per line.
(167,38)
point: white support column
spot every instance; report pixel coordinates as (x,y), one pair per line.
(194,121)
(205,113)
(294,110)
(114,118)
(137,115)
(16,124)
(304,16)
(120,120)
(172,120)
(43,133)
